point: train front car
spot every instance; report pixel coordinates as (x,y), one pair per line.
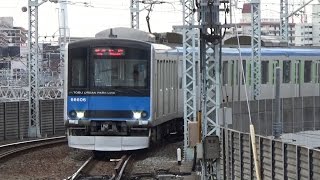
(107,104)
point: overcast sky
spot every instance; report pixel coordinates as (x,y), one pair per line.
(102,14)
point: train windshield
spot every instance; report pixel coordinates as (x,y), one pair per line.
(112,70)
(119,67)
(119,73)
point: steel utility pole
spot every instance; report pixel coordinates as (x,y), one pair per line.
(64,35)
(190,57)
(256,48)
(210,48)
(284,21)
(134,11)
(34,126)
(33,59)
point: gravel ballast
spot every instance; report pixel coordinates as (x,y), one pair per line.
(160,158)
(56,162)
(60,162)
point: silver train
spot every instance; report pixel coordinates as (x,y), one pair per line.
(121,94)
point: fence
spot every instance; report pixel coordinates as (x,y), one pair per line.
(14,119)
(298,114)
(277,160)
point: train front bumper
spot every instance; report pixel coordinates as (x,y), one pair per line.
(109,143)
(130,123)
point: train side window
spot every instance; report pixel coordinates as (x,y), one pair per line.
(318,71)
(78,67)
(264,72)
(275,64)
(180,75)
(172,74)
(78,75)
(225,73)
(236,72)
(286,71)
(176,74)
(307,71)
(164,85)
(244,70)
(249,73)
(231,73)
(159,74)
(168,74)
(296,73)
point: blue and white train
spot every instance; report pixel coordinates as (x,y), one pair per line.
(117,92)
(122,94)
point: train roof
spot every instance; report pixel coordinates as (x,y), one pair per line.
(264,51)
(161,47)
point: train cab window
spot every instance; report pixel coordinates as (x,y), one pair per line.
(286,72)
(307,71)
(117,68)
(264,72)
(132,73)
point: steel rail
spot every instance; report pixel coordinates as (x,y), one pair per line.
(77,173)
(124,163)
(118,169)
(26,145)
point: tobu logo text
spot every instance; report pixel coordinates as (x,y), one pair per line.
(78,99)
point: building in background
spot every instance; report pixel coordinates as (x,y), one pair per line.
(269,27)
(11,35)
(316,24)
(304,34)
(300,34)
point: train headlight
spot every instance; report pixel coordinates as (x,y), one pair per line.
(80,114)
(136,115)
(144,114)
(73,114)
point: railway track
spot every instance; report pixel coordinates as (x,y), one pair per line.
(15,148)
(111,169)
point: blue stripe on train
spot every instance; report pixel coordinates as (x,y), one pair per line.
(108,103)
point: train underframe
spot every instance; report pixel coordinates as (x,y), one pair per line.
(119,136)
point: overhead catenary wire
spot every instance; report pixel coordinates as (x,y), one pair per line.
(252,131)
